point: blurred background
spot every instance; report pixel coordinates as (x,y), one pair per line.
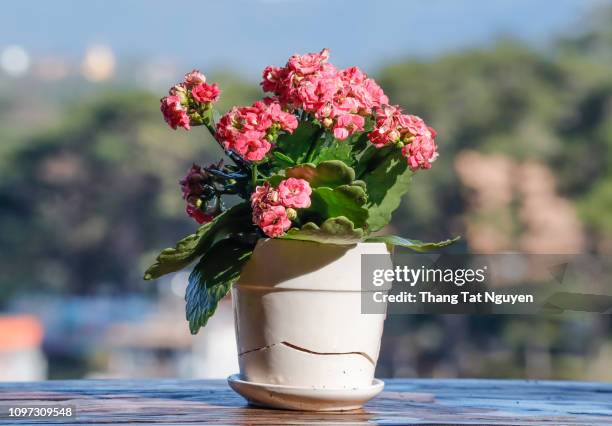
(520,92)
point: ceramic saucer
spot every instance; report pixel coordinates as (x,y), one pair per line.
(303,398)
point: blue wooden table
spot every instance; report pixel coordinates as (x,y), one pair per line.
(507,402)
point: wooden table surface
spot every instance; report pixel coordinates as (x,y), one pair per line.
(507,402)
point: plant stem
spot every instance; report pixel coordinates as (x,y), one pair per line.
(210,125)
(254,175)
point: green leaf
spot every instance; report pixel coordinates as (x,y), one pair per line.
(283,158)
(387,180)
(297,144)
(336,230)
(331,173)
(415,245)
(212,278)
(345,200)
(234,221)
(335,149)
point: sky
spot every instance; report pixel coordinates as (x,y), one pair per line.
(248,35)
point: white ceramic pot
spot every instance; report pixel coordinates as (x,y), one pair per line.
(298,317)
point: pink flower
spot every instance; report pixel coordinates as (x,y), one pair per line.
(388,128)
(339,99)
(377,95)
(309,63)
(205,93)
(271,78)
(251,145)
(286,120)
(261,197)
(418,139)
(174,113)
(415,125)
(369,95)
(354,76)
(422,151)
(294,193)
(197,214)
(264,197)
(273,221)
(250,131)
(273,208)
(194,78)
(348,124)
(191,184)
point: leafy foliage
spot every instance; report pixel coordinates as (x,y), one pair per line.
(337,230)
(297,145)
(345,200)
(387,181)
(212,278)
(416,245)
(229,224)
(331,173)
(334,149)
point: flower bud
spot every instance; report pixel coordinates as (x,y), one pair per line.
(325,111)
(394,135)
(291,213)
(194,78)
(408,138)
(180,92)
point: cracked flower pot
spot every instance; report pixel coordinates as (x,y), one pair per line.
(298,316)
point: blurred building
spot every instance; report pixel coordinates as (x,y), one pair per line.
(21,357)
(160,346)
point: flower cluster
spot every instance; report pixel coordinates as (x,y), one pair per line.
(250,131)
(410,132)
(187,102)
(339,99)
(307,89)
(194,187)
(274,208)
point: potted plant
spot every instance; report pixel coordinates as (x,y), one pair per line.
(320,164)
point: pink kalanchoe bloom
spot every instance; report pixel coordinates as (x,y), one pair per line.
(309,63)
(348,124)
(249,131)
(194,78)
(369,95)
(294,193)
(205,93)
(309,83)
(392,126)
(273,221)
(414,124)
(197,214)
(174,112)
(286,120)
(264,197)
(388,128)
(258,198)
(353,76)
(271,78)
(191,184)
(251,145)
(422,151)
